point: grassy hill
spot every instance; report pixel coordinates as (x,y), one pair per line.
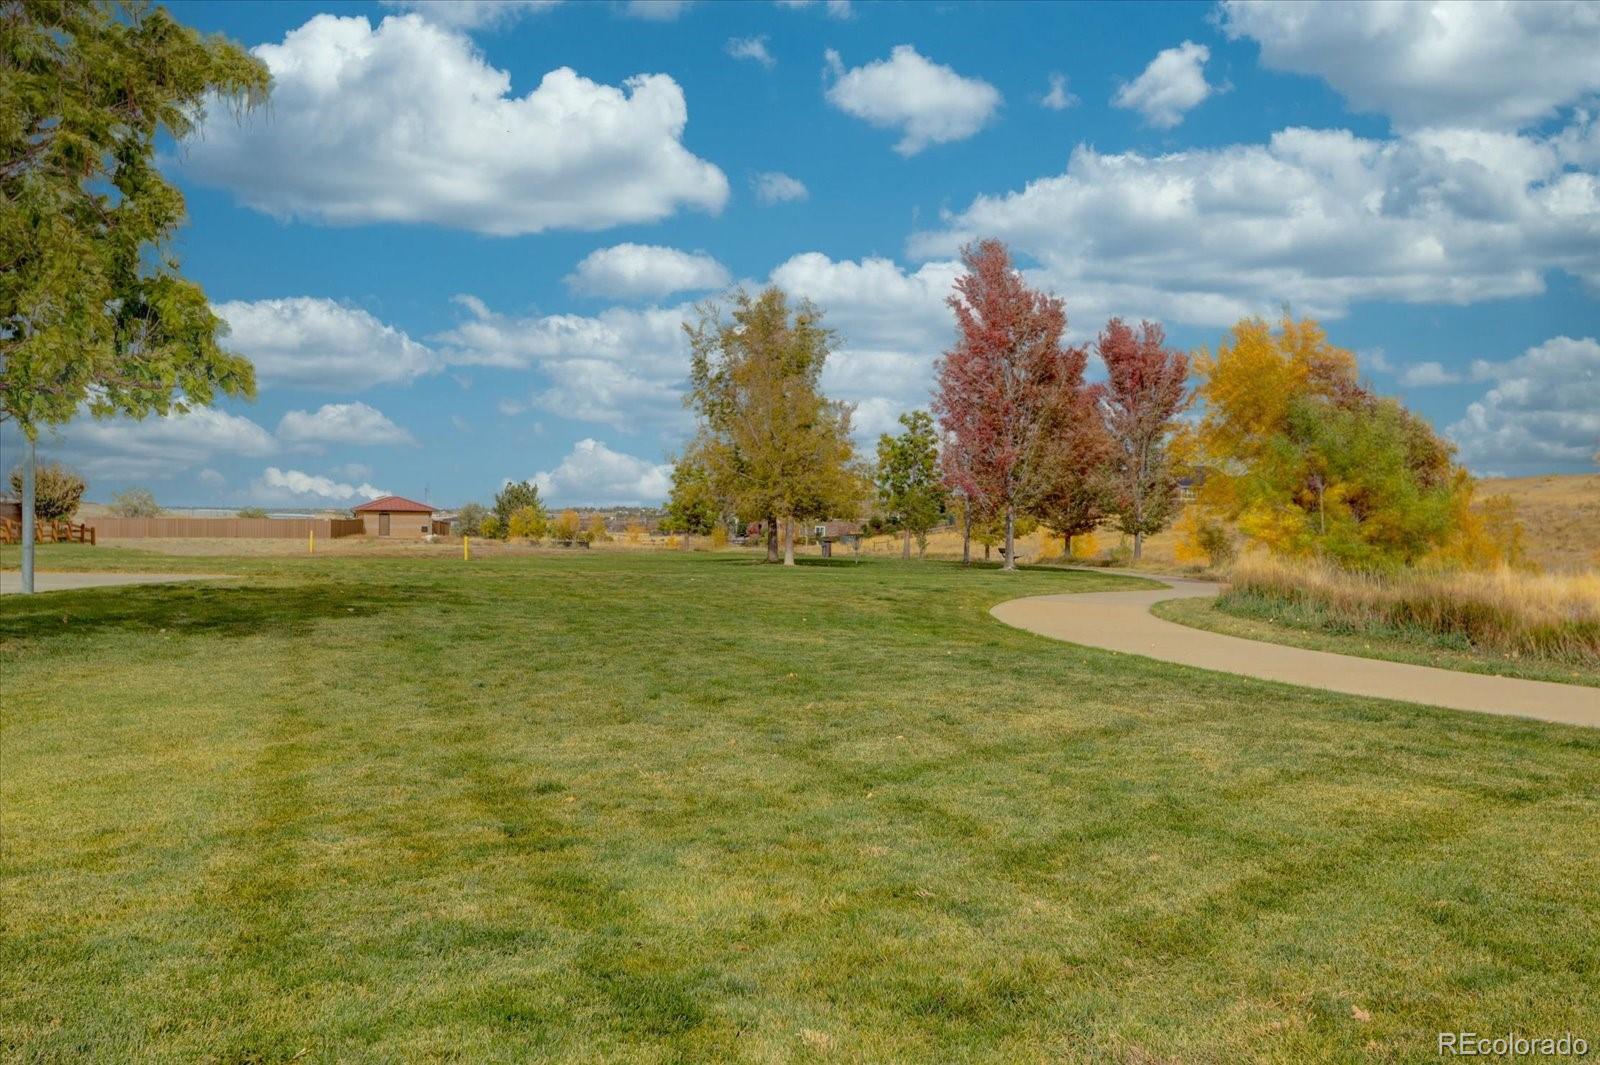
(1561,513)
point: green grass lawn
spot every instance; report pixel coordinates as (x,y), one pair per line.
(1255,618)
(602,807)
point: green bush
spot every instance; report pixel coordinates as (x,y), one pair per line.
(1214,538)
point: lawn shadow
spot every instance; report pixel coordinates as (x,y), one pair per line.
(194,608)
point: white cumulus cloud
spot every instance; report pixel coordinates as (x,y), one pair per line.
(473,14)
(656,10)
(1542,413)
(776,187)
(593,473)
(340,423)
(1316,218)
(1433,62)
(891,324)
(1172,85)
(839,9)
(153,448)
(645,270)
(1427,375)
(407,122)
(295,486)
(752,48)
(622,367)
(928,102)
(1058,98)
(305,342)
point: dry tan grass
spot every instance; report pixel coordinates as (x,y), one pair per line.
(1550,615)
(1561,513)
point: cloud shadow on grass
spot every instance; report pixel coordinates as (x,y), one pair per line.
(184,609)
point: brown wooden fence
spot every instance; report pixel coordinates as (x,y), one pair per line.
(47,532)
(272,528)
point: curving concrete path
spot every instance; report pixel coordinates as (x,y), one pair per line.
(1121,621)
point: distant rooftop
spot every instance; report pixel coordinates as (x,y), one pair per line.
(395,504)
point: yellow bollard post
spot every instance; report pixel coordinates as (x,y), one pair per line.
(311,541)
(466,552)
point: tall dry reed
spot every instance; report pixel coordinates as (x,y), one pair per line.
(1553,616)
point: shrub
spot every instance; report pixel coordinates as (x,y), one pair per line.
(1085,546)
(469,520)
(489,526)
(719,535)
(251,512)
(527,523)
(1216,541)
(635,531)
(597,532)
(135,503)
(1506,610)
(57,491)
(565,527)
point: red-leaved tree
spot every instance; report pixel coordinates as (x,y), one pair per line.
(1076,493)
(1143,393)
(998,386)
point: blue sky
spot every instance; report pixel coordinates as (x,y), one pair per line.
(460,241)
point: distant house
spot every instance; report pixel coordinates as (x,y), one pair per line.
(396,516)
(833,529)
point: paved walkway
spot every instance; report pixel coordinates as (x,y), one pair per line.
(1121,621)
(11,580)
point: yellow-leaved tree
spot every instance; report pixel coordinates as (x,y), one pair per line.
(565,527)
(1303,459)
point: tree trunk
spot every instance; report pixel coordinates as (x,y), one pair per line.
(905,549)
(683,545)
(28,461)
(966,535)
(1138,513)
(1067,547)
(788,541)
(772,539)
(986,552)
(1011,538)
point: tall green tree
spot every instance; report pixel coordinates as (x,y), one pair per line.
(95,314)
(772,443)
(514,497)
(692,504)
(910,488)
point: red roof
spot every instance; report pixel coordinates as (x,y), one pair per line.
(396,504)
